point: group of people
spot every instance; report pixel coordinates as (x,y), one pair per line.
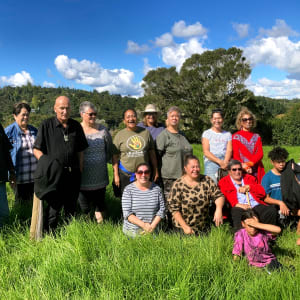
(155,172)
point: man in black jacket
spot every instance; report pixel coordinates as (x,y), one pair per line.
(63,139)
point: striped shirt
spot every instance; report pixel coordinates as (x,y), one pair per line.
(145,205)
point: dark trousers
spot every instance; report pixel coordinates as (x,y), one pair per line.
(266,214)
(65,197)
(24,193)
(92,199)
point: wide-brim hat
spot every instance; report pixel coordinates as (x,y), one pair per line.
(151,108)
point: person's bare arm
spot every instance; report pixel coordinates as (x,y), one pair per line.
(37,153)
(155,222)
(153,160)
(218,216)
(282,206)
(267,227)
(185,227)
(228,154)
(80,158)
(115,164)
(135,220)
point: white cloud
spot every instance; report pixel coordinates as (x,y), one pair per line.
(134,48)
(164,40)
(48,84)
(287,88)
(279,52)
(180,29)
(116,81)
(17,79)
(177,54)
(279,29)
(241,29)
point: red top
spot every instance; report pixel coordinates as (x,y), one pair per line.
(229,191)
(247,146)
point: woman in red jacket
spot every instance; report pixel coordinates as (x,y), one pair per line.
(247,146)
(243,192)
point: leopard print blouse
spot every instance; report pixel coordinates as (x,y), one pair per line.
(193,202)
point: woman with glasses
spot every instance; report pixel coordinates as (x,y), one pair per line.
(142,203)
(22,136)
(217,146)
(94,177)
(247,145)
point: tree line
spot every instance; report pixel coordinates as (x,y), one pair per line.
(213,79)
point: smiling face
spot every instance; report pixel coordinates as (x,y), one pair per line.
(192,169)
(217,121)
(142,174)
(22,118)
(130,119)
(247,122)
(235,172)
(173,118)
(89,117)
(62,109)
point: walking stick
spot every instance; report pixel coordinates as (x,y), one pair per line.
(247,197)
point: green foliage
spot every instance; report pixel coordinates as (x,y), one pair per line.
(110,107)
(286,130)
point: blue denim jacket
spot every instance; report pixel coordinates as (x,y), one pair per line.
(13,132)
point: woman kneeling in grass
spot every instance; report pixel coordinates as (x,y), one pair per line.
(142,203)
(253,240)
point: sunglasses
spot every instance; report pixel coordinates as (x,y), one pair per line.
(236,169)
(146,172)
(249,119)
(91,114)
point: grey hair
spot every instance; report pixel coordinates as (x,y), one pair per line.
(232,163)
(174,108)
(85,105)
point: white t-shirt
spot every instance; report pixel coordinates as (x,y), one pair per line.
(217,141)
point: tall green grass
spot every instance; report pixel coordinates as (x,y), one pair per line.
(88,261)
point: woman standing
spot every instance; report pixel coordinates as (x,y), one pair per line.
(132,145)
(247,146)
(22,136)
(217,146)
(150,115)
(94,177)
(142,203)
(190,197)
(172,146)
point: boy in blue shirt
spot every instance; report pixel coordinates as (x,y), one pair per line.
(271,180)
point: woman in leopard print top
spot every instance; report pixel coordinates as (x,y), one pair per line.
(190,197)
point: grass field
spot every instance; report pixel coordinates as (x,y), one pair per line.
(88,261)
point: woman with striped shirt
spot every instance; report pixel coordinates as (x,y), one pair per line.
(142,203)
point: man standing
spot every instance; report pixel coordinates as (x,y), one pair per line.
(62,139)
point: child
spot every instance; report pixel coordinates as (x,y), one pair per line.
(271,180)
(253,239)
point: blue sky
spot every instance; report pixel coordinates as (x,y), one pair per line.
(110,45)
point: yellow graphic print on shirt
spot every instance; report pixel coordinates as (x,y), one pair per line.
(136,145)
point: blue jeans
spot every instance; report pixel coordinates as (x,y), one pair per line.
(211,168)
(4,211)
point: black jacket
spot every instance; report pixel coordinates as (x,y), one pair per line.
(47,175)
(290,188)
(6,164)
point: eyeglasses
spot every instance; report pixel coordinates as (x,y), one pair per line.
(146,172)
(249,119)
(236,169)
(93,114)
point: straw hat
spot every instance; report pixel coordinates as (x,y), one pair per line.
(151,108)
